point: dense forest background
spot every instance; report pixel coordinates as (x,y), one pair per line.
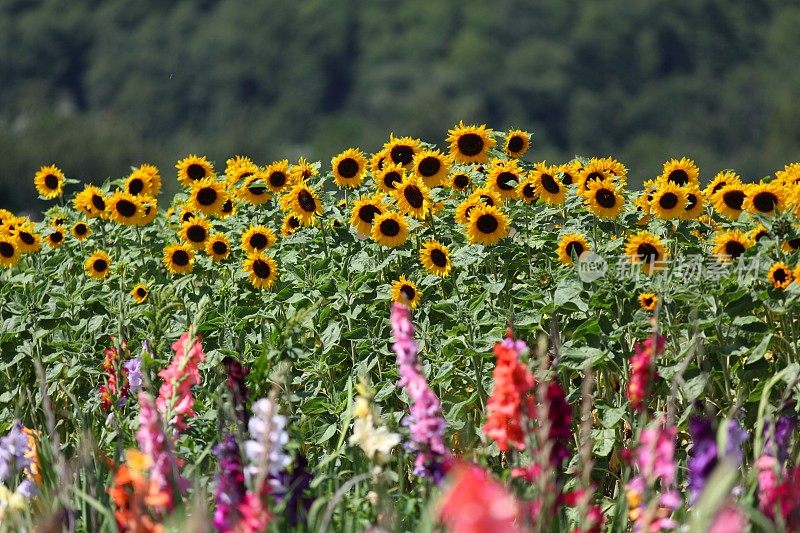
(96,86)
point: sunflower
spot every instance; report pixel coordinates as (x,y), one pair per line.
(98,265)
(349,168)
(195,231)
(517,143)
(28,240)
(6,216)
(389,176)
(487,196)
(124,209)
(758,233)
(723,178)
(487,225)
(136,184)
(432,166)
(228,208)
(613,167)
(729,200)
(569,172)
(179,258)
(91,201)
(603,199)
(303,201)
(254,189)
(235,163)
(187,213)
(764,198)
(669,201)
(681,172)
(261,270)
(464,210)
(405,292)
(207,196)
(412,197)
(302,171)
(504,177)
(377,161)
(730,245)
(526,190)
(56,237)
(257,238)
(218,247)
(9,250)
(389,229)
(234,175)
(470,144)
(573,244)
(49,182)
(194,168)
(646,249)
(364,212)
(459,181)
(401,150)
(593,171)
(780,275)
(277,176)
(139,293)
(435,258)
(547,185)
(291,224)
(695,202)
(648,301)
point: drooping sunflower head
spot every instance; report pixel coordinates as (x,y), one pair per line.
(207,196)
(504,177)
(49,182)
(194,168)
(139,293)
(646,249)
(304,202)
(261,270)
(648,301)
(432,166)
(730,245)
(547,185)
(277,176)
(413,197)
(729,200)
(459,180)
(389,177)
(435,258)
(217,247)
(681,172)
(303,170)
(406,292)
(669,201)
(56,237)
(291,224)
(603,199)
(594,170)
(91,201)
(470,144)
(254,190)
(124,209)
(723,178)
(401,150)
(764,198)
(178,258)
(258,238)
(9,250)
(98,265)
(695,202)
(517,143)
(488,225)
(195,232)
(780,275)
(364,212)
(571,246)
(349,168)
(389,229)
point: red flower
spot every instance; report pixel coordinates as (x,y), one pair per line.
(643,370)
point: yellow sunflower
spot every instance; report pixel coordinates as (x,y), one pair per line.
(504,177)
(487,225)
(6,216)
(470,144)
(218,247)
(389,229)
(302,170)
(459,181)
(464,210)
(236,175)
(646,249)
(49,182)
(254,190)
(517,143)
(261,270)
(435,257)
(547,185)
(780,275)
(91,201)
(389,176)
(603,199)
(764,198)
(178,258)
(729,200)
(195,232)
(723,178)
(291,224)
(695,202)
(412,197)
(758,233)
(796,274)
(730,245)
(349,168)
(681,172)
(207,196)
(648,301)
(432,166)
(486,196)
(194,168)
(136,184)
(303,201)
(364,212)
(614,168)
(56,237)
(277,176)
(187,213)
(401,150)
(235,164)
(377,161)
(139,293)
(149,210)
(9,250)
(572,244)
(593,171)
(228,207)
(258,238)
(28,240)
(405,292)
(669,201)
(569,173)
(526,190)
(124,208)
(98,265)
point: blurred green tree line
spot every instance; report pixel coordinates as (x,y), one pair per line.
(97,86)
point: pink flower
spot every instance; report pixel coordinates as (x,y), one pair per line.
(155,444)
(175,395)
(729,519)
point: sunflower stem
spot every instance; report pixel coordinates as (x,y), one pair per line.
(324,236)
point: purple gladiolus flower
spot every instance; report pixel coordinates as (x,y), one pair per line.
(702,455)
(134,369)
(777,445)
(230,485)
(12,452)
(737,436)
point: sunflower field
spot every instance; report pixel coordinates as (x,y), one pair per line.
(421,339)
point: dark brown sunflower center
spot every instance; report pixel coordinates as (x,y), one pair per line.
(277,179)
(487,223)
(391,179)
(258,241)
(409,292)
(429,166)
(56,236)
(734,249)
(574,248)
(256,189)
(196,233)
(227,207)
(549,183)
(648,301)
(765,202)
(414,196)
(51,182)
(567,179)
(402,154)
(26,237)
(367,213)
(515,144)
(141,292)
(438,258)
(180,258)
(733,199)
(760,234)
(390,227)
(306,201)
(100,265)
(294,222)
(647,252)
(261,269)
(485,198)
(126,208)
(81,229)
(691,201)
(347,168)
(196,172)
(507,181)
(460,181)
(605,198)
(219,248)
(794,244)
(528,191)
(6,249)
(781,275)
(187,216)
(592,176)
(207,196)
(135,186)
(98,202)
(668,200)
(678,177)
(717,187)
(470,144)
